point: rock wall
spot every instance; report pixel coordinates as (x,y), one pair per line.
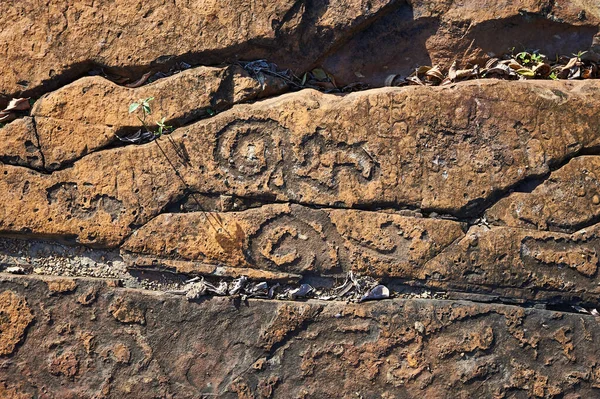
(283,243)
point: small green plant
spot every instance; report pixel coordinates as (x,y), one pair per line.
(162,128)
(537,58)
(579,54)
(144,106)
(553,75)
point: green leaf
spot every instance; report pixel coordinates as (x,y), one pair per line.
(522,55)
(133,107)
(319,74)
(210,111)
(304,79)
(147,109)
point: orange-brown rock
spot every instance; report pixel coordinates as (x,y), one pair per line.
(15,317)
(354,40)
(520,263)
(46,44)
(449,150)
(567,200)
(299,240)
(19,144)
(61,286)
(337,209)
(88,114)
(439,32)
(388,349)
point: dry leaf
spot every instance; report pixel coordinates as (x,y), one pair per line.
(452,70)
(18,104)
(542,70)
(7,117)
(320,74)
(140,81)
(434,74)
(391,79)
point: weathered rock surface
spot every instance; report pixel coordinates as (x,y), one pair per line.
(567,200)
(439,32)
(391,147)
(516,264)
(521,264)
(470,197)
(298,240)
(47,44)
(42,49)
(88,114)
(98,341)
(19,144)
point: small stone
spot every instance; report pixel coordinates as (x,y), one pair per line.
(596,200)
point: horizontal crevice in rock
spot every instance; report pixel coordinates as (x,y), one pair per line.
(477,209)
(174,283)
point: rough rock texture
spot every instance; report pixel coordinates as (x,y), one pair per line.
(296,239)
(138,344)
(47,44)
(520,263)
(439,32)
(567,200)
(389,146)
(19,144)
(470,212)
(89,114)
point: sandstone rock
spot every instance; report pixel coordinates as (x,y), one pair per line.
(86,115)
(19,144)
(520,263)
(61,286)
(354,40)
(439,32)
(16,317)
(401,147)
(299,240)
(429,348)
(566,201)
(45,45)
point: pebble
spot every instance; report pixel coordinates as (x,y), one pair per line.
(596,200)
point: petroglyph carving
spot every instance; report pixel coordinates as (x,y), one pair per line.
(323,162)
(389,241)
(298,242)
(261,152)
(250,150)
(561,253)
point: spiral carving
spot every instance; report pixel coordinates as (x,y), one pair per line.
(295,243)
(260,153)
(250,150)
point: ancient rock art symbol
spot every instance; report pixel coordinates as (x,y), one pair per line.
(295,243)
(68,196)
(250,150)
(389,242)
(322,161)
(260,152)
(560,252)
